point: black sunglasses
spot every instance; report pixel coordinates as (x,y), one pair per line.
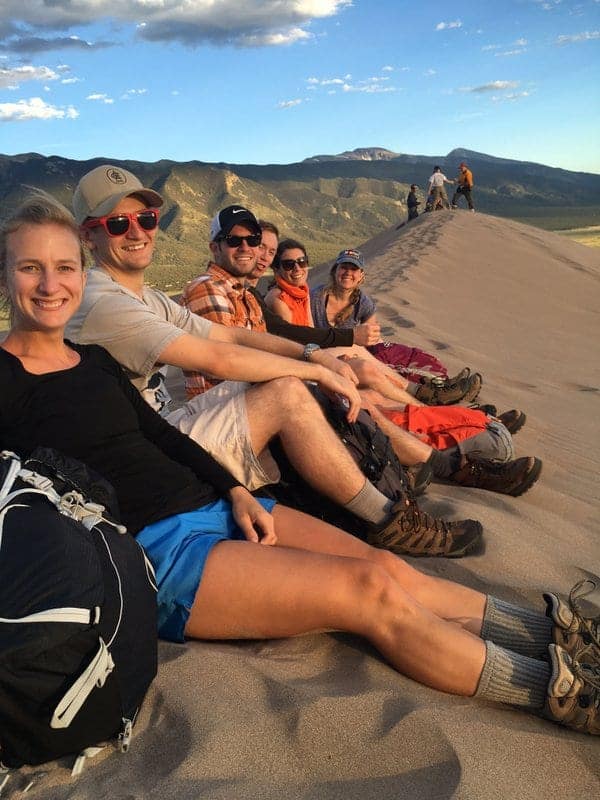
(118,224)
(288,264)
(252,240)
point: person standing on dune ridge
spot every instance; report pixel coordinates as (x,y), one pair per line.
(465,186)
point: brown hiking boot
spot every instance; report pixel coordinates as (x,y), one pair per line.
(419,477)
(464,373)
(436,393)
(577,634)
(512,477)
(573,697)
(412,532)
(512,420)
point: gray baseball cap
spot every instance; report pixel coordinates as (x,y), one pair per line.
(99,191)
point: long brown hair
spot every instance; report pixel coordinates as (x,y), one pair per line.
(346,312)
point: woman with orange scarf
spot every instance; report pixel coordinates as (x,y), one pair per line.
(290,297)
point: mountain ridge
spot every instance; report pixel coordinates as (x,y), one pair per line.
(328,204)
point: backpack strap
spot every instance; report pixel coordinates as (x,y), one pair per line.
(11,472)
(94,675)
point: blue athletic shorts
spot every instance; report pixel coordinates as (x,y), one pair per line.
(178,547)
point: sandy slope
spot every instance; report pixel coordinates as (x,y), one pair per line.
(321,717)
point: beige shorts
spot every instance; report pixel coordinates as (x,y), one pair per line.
(217,420)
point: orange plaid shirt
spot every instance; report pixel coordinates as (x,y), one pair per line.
(220,297)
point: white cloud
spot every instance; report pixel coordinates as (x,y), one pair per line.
(369,88)
(313,82)
(12,77)
(511,53)
(494,86)
(585,36)
(510,96)
(102,98)
(487,47)
(429,72)
(387,69)
(371,85)
(34,108)
(129,93)
(521,43)
(254,23)
(445,26)
(273,39)
(289,103)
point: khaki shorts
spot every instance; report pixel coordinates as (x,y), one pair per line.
(217,420)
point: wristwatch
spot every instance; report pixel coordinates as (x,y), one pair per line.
(309,349)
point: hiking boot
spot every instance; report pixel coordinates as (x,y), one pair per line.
(579,636)
(412,532)
(573,697)
(444,394)
(419,477)
(512,420)
(464,373)
(512,477)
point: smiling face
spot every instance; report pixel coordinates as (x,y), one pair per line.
(348,276)
(129,253)
(237,261)
(298,274)
(44,277)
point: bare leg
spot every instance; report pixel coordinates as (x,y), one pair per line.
(285,408)
(251,591)
(350,353)
(372,377)
(446,599)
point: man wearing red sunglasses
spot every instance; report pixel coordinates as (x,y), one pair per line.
(146,331)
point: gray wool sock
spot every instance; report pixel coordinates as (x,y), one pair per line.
(511,678)
(369,504)
(523,630)
(444,462)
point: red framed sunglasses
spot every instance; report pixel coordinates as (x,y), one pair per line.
(118,224)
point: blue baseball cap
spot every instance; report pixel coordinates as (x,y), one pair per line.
(351,256)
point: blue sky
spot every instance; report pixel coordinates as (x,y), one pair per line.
(281,80)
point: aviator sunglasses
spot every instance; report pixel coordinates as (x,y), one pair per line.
(252,240)
(288,264)
(118,224)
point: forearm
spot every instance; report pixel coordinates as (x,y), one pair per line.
(232,361)
(324,337)
(258,341)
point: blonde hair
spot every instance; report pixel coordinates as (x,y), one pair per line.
(38,208)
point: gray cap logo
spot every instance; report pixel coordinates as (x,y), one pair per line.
(115,176)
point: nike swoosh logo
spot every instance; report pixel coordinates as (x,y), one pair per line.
(238,211)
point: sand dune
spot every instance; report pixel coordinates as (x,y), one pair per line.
(322,717)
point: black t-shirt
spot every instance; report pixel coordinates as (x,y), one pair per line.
(92,412)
